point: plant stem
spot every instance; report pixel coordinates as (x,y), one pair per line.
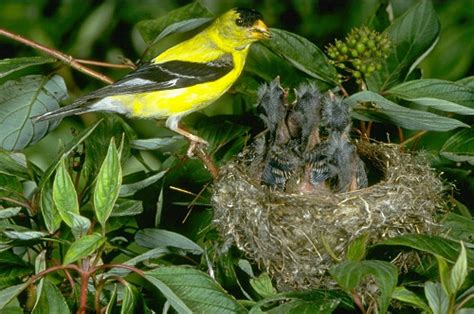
(208,163)
(357,301)
(412,138)
(58,55)
(84,289)
(108,65)
(53,269)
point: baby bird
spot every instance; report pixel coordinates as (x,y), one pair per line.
(280,161)
(335,159)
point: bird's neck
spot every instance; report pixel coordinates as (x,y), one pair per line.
(227,45)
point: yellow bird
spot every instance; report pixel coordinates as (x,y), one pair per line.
(182,79)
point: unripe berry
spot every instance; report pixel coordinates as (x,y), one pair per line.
(360,47)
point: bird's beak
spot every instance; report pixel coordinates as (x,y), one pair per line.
(260,30)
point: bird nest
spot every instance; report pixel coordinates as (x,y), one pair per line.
(289,233)
(296,197)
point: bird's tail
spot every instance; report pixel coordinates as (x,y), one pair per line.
(72,109)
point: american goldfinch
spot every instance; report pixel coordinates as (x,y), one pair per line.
(182,79)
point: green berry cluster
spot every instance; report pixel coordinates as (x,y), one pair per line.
(361,53)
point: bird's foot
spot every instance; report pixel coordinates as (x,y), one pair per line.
(196,143)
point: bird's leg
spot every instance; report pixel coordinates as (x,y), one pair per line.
(195,143)
(172,123)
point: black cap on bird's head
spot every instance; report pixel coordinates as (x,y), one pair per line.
(238,28)
(247,17)
(253,21)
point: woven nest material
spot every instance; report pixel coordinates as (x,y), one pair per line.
(285,233)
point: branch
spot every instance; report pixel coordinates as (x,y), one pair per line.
(128,65)
(58,55)
(55,268)
(208,163)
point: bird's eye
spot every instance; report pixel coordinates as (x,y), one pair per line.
(239,22)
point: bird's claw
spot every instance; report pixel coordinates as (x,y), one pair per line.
(194,145)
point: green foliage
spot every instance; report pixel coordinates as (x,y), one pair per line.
(108,184)
(189,290)
(121,208)
(22,99)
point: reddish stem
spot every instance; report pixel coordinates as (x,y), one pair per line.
(84,289)
(58,55)
(357,301)
(208,163)
(107,65)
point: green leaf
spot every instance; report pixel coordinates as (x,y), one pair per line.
(460,146)
(264,63)
(52,218)
(219,134)
(80,225)
(13,164)
(444,274)
(64,194)
(110,308)
(158,238)
(131,188)
(12,274)
(9,212)
(158,143)
(467,81)
(458,227)
(437,298)
(8,66)
(404,295)
(131,299)
(349,275)
(153,30)
(263,285)
(321,299)
(384,110)
(83,247)
(8,294)
(70,147)
(22,99)
(443,105)
(24,235)
(305,307)
(40,265)
(51,300)
(431,244)
(9,258)
(412,35)
(189,290)
(108,184)
(357,248)
(303,54)
(459,271)
(151,254)
(433,88)
(125,207)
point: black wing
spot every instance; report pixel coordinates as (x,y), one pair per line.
(168,75)
(150,77)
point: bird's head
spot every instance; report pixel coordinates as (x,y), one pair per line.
(240,27)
